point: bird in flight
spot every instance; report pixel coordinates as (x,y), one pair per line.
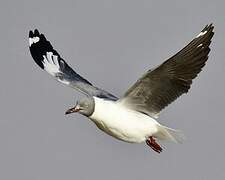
(133,117)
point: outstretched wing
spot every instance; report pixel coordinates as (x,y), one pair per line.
(49,59)
(161,86)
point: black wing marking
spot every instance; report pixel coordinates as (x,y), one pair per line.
(49,59)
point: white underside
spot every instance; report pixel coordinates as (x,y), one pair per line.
(122,123)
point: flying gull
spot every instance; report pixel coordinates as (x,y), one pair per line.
(133,117)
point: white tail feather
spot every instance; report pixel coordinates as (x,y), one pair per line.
(167,134)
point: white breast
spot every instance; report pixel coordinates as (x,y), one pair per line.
(122,123)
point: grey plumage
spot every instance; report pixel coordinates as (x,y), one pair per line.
(159,87)
(85,106)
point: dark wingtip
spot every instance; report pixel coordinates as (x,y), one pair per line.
(31,34)
(211,26)
(36,32)
(42,36)
(208,27)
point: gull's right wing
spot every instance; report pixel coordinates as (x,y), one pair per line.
(161,86)
(48,59)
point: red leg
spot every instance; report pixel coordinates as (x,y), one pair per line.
(153,144)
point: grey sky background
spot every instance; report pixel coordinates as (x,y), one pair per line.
(111,43)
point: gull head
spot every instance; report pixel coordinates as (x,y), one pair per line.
(85,107)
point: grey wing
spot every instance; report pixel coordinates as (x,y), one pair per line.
(161,86)
(48,59)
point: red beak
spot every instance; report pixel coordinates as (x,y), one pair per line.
(72,110)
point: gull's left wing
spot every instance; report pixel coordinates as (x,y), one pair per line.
(161,86)
(49,59)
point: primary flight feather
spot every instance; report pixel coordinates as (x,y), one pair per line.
(131,118)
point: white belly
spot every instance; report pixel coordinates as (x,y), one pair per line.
(122,123)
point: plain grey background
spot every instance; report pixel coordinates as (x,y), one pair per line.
(111,43)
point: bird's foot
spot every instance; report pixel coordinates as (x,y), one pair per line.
(153,144)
